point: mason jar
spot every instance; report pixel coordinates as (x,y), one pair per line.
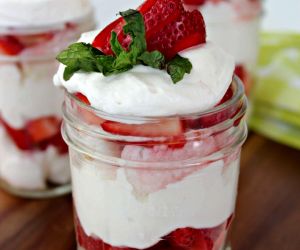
(156,192)
(33,156)
(235,26)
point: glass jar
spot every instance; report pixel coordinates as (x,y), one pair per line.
(154,192)
(33,156)
(234,25)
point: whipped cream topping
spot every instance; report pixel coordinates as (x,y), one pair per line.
(144,91)
(20,13)
(108,208)
(26,92)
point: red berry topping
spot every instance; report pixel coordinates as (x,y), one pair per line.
(11,46)
(187,31)
(169,28)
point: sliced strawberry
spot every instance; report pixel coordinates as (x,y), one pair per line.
(87,115)
(169,28)
(11,46)
(20,136)
(184,237)
(156,14)
(187,31)
(43,128)
(213,119)
(83,98)
(38,135)
(32,40)
(164,128)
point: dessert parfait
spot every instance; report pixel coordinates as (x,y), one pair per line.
(234,25)
(154,122)
(33,155)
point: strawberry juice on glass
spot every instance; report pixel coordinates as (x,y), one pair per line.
(33,155)
(154,120)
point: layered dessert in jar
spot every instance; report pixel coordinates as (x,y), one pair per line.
(33,155)
(234,25)
(154,122)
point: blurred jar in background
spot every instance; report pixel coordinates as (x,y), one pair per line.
(234,25)
(33,156)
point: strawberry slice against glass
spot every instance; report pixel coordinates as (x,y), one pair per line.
(169,28)
(11,46)
(43,128)
(166,128)
(87,115)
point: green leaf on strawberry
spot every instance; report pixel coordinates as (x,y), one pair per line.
(84,57)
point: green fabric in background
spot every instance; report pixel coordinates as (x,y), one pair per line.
(276,95)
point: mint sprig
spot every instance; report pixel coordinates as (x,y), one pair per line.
(178,67)
(84,57)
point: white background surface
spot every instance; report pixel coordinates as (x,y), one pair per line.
(278,14)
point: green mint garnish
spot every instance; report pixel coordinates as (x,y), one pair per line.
(84,57)
(178,67)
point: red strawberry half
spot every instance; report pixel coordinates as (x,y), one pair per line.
(169,28)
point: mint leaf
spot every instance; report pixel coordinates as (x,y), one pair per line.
(115,44)
(69,72)
(135,27)
(178,67)
(79,56)
(105,64)
(154,59)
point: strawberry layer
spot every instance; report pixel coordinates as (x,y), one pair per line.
(182,238)
(31,169)
(111,207)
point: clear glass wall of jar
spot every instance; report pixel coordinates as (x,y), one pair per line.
(33,156)
(155,192)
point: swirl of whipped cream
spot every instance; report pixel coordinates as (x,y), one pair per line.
(144,91)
